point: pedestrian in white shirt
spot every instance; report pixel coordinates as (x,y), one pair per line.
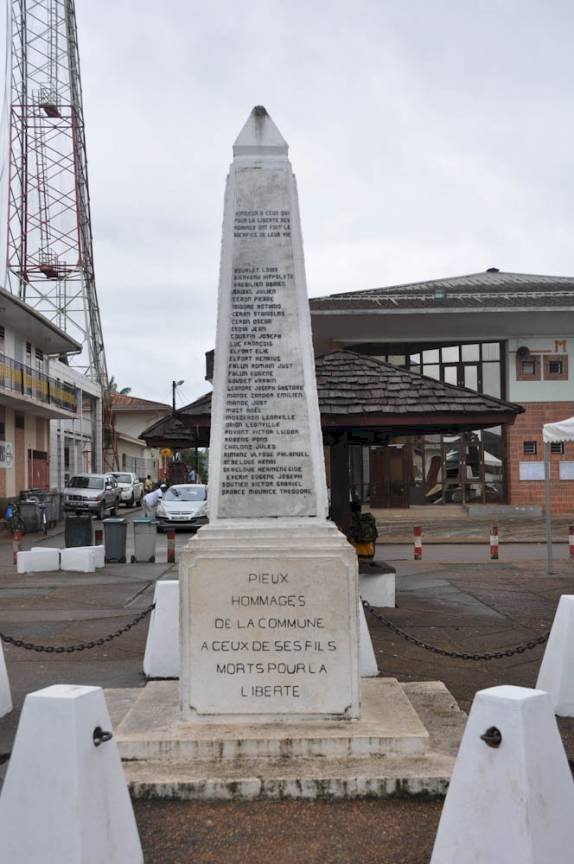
(151,500)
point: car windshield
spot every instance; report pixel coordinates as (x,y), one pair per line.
(123,478)
(86,483)
(185,493)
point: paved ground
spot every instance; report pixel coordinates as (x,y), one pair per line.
(472,605)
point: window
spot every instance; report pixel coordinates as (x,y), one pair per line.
(39,354)
(28,348)
(556,367)
(557,447)
(19,421)
(529,448)
(528,367)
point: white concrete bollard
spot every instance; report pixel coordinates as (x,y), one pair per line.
(5,695)
(555,675)
(162,656)
(79,558)
(367,661)
(377,588)
(513,802)
(65,800)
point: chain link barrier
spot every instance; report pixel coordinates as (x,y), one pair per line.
(80,646)
(457,655)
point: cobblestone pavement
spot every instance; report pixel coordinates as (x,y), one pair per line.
(469,605)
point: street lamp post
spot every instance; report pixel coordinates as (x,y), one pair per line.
(174,386)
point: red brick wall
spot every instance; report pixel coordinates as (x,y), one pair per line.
(528,427)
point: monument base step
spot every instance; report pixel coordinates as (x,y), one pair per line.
(304,779)
(403,745)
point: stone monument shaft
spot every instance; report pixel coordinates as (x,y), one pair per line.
(266,446)
(269,588)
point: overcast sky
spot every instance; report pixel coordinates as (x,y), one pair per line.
(429,137)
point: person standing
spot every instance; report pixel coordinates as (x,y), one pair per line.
(151,500)
(148,484)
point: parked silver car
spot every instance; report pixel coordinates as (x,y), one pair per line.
(131,488)
(92,493)
(183,505)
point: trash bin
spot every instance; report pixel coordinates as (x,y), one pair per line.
(145,533)
(115,535)
(30,513)
(78,530)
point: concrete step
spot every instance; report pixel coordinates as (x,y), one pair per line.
(152,730)
(304,779)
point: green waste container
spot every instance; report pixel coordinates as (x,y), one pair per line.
(145,534)
(115,536)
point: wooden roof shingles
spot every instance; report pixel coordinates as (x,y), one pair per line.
(357,389)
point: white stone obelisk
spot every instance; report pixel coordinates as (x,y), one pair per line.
(269,614)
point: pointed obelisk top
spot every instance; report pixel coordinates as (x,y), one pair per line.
(260,137)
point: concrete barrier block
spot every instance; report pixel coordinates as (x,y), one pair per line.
(39,559)
(162,652)
(99,555)
(512,802)
(556,670)
(64,799)
(79,558)
(367,661)
(5,694)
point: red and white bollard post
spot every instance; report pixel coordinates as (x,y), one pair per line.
(16,537)
(418,540)
(571,541)
(494,543)
(171,545)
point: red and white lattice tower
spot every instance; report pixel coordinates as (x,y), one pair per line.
(50,261)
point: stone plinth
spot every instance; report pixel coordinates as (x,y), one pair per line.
(404,744)
(271,625)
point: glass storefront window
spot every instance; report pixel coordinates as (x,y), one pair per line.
(491,351)
(450,354)
(470,352)
(491,379)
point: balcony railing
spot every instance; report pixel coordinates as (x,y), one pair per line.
(18,378)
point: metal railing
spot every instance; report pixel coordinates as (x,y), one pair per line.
(19,378)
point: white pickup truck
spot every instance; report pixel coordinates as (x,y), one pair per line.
(130,487)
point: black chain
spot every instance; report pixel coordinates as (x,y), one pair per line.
(459,655)
(80,646)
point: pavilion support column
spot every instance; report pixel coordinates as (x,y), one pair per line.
(340,485)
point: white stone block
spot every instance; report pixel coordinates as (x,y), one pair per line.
(5,695)
(99,554)
(39,559)
(377,588)
(556,670)
(79,558)
(367,661)
(162,655)
(65,801)
(511,803)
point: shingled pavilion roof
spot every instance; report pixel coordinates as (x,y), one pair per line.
(363,395)
(492,289)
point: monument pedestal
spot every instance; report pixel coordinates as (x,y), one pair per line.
(404,744)
(269,623)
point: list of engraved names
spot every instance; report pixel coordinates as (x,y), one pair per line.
(266,460)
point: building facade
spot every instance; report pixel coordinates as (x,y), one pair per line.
(502,334)
(33,395)
(131,416)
